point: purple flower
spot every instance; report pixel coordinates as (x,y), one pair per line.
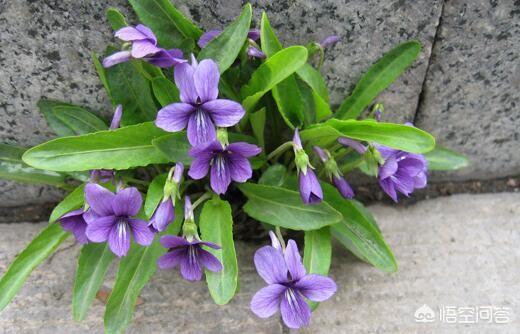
(208,36)
(116,119)
(333,172)
(401,171)
(101,175)
(200,110)
(227,163)
(255,53)
(330,41)
(165,212)
(144,46)
(354,144)
(310,188)
(109,218)
(190,255)
(74,222)
(288,286)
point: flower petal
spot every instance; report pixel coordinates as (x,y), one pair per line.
(127,202)
(209,261)
(224,112)
(183,75)
(143,235)
(344,188)
(239,167)
(98,230)
(310,188)
(266,301)
(420,180)
(116,119)
(202,155)
(270,265)
(220,177)
(190,266)
(388,187)
(117,58)
(163,215)
(200,128)
(119,238)
(73,222)
(389,168)
(207,37)
(174,117)
(316,287)
(208,244)
(244,149)
(173,241)
(147,32)
(274,241)
(143,48)
(295,311)
(99,199)
(294,261)
(129,34)
(165,58)
(171,259)
(206,79)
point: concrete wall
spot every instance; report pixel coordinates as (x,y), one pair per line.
(464,88)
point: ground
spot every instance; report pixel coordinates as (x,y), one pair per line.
(456,254)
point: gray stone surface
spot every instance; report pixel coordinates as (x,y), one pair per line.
(472,92)
(452,251)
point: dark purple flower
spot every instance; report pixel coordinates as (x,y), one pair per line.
(74,222)
(208,36)
(310,188)
(110,218)
(334,174)
(144,46)
(227,163)
(401,171)
(189,255)
(165,212)
(288,286)
(200,110)
(255,53)
(330,41)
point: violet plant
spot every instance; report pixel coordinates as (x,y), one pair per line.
(236,121)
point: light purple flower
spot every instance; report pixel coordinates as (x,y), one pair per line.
(200,110)
(401,171)
(330,41)
(144,46)
(110,218)
(208,36)
(116,119)
(310,188)
(227,163)
(333,172)
(354,144)
(74,222)
(189,255)
(165,212)
(288,286)
(255,53)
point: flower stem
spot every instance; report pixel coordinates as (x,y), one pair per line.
(136,181)
(280,149)
(199,200)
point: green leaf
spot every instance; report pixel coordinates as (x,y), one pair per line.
(93,262)
(442,158)
(275,175)
(72,201)
(378,77)
(317,254)
(116,18)
(358,231)
(135,270)
(169,25)
(257,120)
(216,225)
(123,148)
(313,78)
(13,168)
(33,255)
(165,91)
(79,120)
(130,89)
(273,71)
(175,147)
(317,108)
(282,207)
(102,74)
(398,136)
(225,48)
(154,194)
(55,124)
